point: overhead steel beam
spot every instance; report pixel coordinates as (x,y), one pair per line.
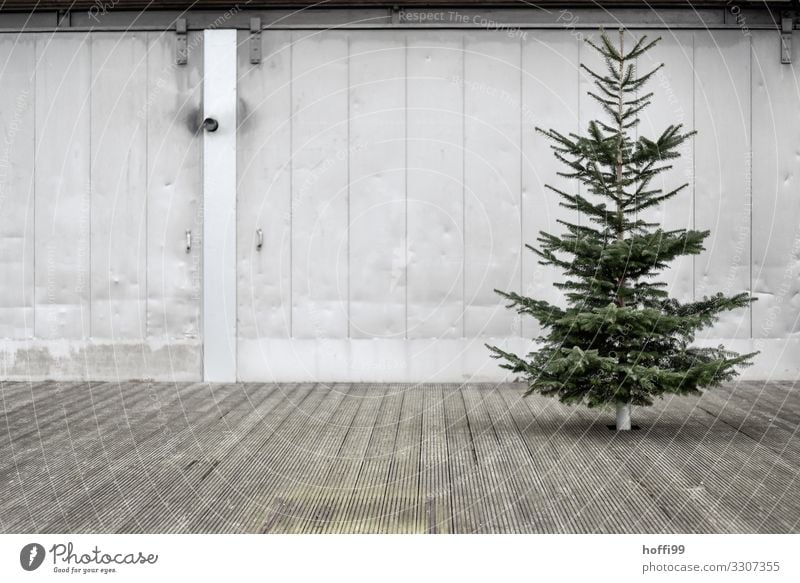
(735,15)
(149,5)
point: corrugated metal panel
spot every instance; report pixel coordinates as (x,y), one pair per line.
(672,103)
(174,192)
(471,101)
(435,222)
(493,87)
(723,171)
(492,228)
(264,190)
(776,185)
(119,185)
(63,196)
(377,186)
(550,98)
(109,245)
(337,130)
(17,59)
(320,186)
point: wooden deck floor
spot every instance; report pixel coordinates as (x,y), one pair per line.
(150,457)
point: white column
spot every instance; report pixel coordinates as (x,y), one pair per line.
(219,207)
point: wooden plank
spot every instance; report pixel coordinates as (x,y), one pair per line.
(110,488)
(197,456)
(362,511)
(435,477)
(727,463)
(649,456)
(683,496)
(183,443)
(63,196)
(334,513)
(41,466)
(262,467)
(753,419)
(119,185)
(579,440)
(719,476)
(401,511)
(496,493)
(172,442)
(559,506)
(16,395)
(49,411)
(310,477)
(17,58)
(786,405)
(343,465)
(531,507)
(25,471)
(160,457)
(749,399)
(469,512)
(213,497)
(733,468)
(36,467)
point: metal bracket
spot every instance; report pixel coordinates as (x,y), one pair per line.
(787,24)
(255,40)
(181,45)
(63,18)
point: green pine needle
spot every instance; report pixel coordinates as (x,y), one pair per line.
(620,338)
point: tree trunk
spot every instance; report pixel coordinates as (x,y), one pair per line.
(623,416)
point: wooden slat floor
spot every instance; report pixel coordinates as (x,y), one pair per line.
(315,458)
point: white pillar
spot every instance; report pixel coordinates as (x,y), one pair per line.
(219,207)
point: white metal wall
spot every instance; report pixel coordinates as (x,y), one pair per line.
(99,180)
(396,177)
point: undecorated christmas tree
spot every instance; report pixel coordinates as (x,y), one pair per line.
(620,340)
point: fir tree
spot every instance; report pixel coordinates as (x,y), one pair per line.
(621,340)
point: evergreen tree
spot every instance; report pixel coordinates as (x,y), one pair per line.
(621,339)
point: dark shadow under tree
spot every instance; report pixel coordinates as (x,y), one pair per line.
(620,340)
